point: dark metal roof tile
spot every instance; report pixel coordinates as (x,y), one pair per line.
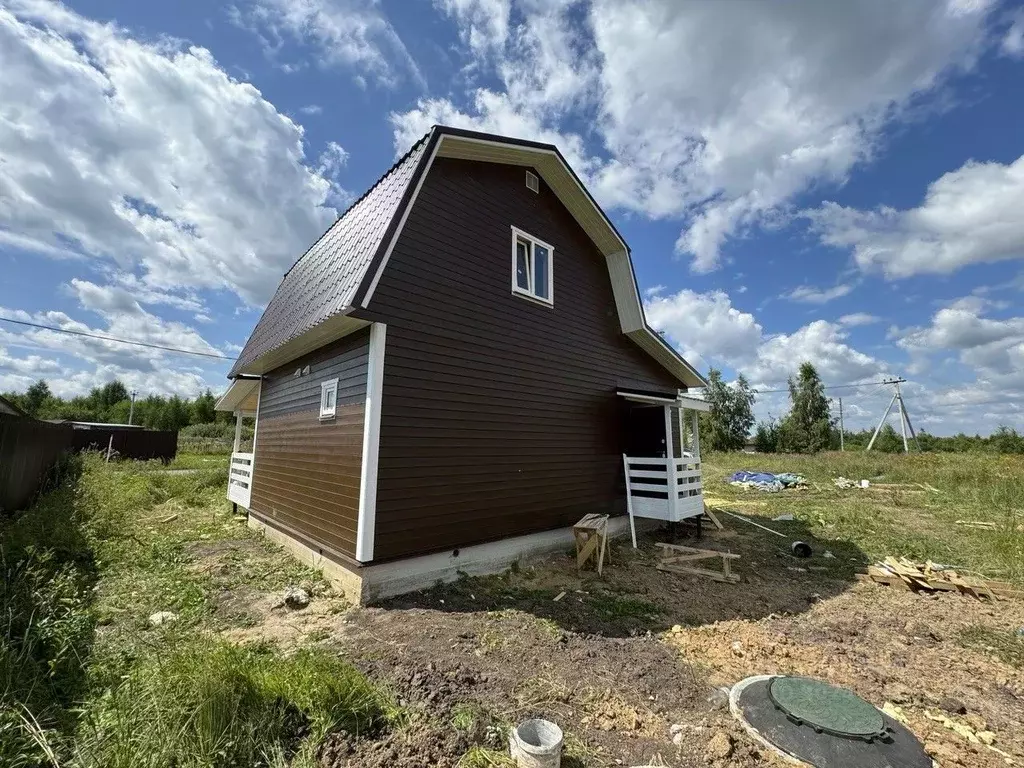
(324,280)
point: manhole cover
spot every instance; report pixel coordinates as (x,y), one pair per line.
(826,708)
(820,725)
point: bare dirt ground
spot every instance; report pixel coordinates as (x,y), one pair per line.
(630,664)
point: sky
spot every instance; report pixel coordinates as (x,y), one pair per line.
(835,182)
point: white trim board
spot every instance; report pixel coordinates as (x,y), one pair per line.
(366,527)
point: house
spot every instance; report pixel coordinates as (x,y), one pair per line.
(10,409)
(456,372)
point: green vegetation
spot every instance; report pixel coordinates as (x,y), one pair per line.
(899,515)
(111,404)
(1008,647)
(726,425)
(86,681)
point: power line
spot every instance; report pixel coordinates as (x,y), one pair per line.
(115,339)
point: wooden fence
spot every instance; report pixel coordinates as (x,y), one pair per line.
(142,444)
(28,450)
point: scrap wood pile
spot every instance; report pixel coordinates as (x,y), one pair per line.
(766,481)
(932,577)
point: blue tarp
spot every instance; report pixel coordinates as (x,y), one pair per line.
(766,481)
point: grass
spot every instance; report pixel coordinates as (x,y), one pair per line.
(1008,647)
(910,521)
(85,681)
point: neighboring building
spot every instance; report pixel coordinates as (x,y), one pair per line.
(454,374)
(9,408)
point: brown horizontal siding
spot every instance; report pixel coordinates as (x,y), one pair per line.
(499,414)
(307,471)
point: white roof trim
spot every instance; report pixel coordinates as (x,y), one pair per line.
(238,395)
(680,400)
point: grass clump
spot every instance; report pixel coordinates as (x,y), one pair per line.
(210,703)
(1008,647)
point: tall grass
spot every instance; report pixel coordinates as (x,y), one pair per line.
(134,697)
(209,703)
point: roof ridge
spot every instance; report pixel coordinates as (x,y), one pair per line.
(362,197)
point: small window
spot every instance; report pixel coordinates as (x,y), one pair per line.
(328,399)
(531,181)
(532,262)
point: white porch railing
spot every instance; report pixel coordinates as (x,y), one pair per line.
(240,479)
(663,489)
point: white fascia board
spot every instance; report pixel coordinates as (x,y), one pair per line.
(367,521)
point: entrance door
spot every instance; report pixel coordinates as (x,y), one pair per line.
(645,431)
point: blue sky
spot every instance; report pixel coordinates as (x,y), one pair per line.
(840,183)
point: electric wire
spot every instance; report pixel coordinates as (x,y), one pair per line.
(178,350)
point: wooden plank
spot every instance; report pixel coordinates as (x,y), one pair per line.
(731,578)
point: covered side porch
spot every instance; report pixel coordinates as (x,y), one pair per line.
(243,400)
(662,459)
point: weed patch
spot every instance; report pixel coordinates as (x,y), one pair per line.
(1008,647)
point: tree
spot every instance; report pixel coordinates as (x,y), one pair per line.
(111,394)
(34,398)
(203,409)
(808,427)
(726,426)
(766,439)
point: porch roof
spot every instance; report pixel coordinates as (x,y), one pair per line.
(680,400)
(242,395)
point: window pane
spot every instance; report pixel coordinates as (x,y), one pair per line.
(522,265)
(540,267)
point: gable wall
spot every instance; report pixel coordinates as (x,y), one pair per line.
(499,414)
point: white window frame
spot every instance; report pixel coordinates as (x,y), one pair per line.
(328,412)
(549,301)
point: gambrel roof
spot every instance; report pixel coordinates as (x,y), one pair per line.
(340,272)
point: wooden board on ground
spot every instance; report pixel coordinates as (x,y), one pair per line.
(675,556)
(905,574)
(711,516)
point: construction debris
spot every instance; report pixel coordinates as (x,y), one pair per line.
(674,556)
(933,577)
(766,481)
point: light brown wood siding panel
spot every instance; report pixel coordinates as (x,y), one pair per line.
(307,472)
(499,414)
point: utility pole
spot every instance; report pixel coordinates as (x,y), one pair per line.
(897,397)
(842,440)
(131,408)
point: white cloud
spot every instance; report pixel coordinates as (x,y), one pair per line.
(699,117)
(147,156)
(1013,41)
(969,216)
(858,318)
(811,295)
(706,327)
(483,24)
(347,33)
(311,109)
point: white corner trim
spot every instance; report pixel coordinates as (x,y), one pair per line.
(367,524)
(401,225)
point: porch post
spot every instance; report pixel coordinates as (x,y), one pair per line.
(670,462)
(238,431)
(696,435)
(682,432)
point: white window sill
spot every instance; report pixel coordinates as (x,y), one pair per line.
(535,299)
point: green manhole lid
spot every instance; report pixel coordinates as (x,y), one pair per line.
(826,708)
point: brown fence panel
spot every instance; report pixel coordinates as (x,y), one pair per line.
(28,449)
(143,444)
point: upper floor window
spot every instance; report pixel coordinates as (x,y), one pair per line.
(328,399)
(532,267)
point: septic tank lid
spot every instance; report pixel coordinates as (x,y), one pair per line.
(826,708)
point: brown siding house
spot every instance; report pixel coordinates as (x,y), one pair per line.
(479,315)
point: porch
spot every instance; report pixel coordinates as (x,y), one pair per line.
(243,400)
(662,464)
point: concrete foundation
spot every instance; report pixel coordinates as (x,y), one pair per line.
(371,583)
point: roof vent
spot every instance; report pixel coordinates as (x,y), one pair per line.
(532,182)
